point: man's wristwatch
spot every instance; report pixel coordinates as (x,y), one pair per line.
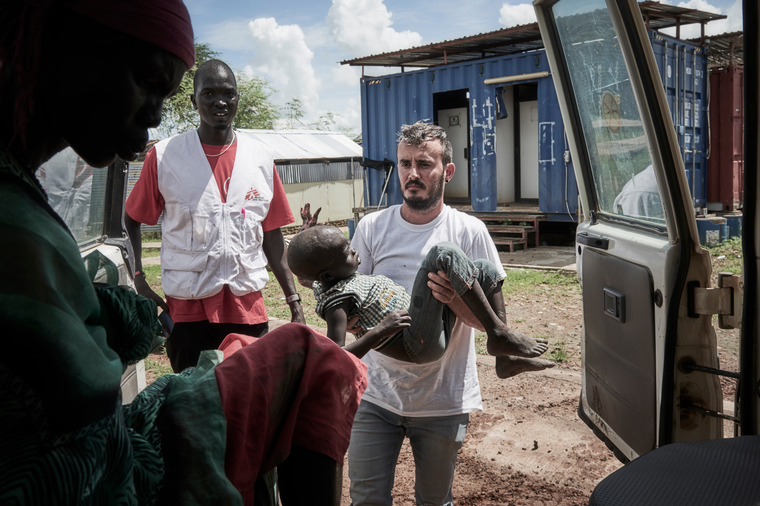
(293,298)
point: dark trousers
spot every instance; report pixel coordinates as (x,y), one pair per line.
(189,339)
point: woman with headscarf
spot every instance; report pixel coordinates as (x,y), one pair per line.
(93,74)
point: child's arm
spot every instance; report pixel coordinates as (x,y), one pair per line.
(390,325)
(336,318)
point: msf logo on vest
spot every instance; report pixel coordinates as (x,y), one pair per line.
(253,194)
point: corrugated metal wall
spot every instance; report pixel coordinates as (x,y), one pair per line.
(319,172)
(390,101)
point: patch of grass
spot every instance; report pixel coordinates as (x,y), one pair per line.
(528,281)
(157,368)
(731,251)
(278,308)
(151,237)
(153,277)
(481,340)
(559,354)
(518,320)
(150,252)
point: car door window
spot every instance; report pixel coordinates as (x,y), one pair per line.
(77,192)
(623,177)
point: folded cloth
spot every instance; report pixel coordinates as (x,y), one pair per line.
(293,386)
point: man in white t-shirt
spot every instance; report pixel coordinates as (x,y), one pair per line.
(428,403)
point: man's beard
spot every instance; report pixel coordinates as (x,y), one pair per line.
(426,203)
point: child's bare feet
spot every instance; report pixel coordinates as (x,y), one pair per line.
(511,342)
(507,366)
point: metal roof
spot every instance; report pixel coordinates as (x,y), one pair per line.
(725,49)
(306,144)
(658,16)
(516,39)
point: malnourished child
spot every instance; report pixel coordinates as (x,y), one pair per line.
(410,327)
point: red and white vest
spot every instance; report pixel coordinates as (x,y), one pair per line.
(207,244)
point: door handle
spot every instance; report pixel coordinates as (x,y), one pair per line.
(592,240)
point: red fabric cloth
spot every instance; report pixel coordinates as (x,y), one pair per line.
(165,23)
(291,387)
(145,205)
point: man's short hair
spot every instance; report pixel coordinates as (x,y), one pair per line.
(209,67)
(421,132)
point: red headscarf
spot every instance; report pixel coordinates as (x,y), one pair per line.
(165,23)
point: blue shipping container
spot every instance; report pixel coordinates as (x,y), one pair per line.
(683,70)
(506,128)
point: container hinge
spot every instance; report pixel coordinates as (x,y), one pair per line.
(726,301)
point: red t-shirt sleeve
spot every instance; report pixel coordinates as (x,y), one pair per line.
(279,213)
(145,203)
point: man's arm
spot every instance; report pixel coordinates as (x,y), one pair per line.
(135,237)
(441,287)
(276,253)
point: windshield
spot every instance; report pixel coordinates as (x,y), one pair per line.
(76,191)
(623,176)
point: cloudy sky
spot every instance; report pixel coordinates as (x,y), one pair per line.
(297,44)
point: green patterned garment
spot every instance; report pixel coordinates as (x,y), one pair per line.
(372,296)
(65,437)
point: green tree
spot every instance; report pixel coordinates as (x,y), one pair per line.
(325,122)
(178,114)
(294,112)
(254,108)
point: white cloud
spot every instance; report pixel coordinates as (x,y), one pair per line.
(231,34)
(363,27)
(694,31)
(514,15)
(735,16)
(280,53)
(344,75)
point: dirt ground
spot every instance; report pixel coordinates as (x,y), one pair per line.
(528,447)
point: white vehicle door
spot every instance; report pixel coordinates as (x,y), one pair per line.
(91,203)
(639,258)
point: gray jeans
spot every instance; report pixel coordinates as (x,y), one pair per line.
(426,340)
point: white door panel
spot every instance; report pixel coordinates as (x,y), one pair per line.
(529,150)
(454,121)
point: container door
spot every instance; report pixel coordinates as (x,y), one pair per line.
(638,252)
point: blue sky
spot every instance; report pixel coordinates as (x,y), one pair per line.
(297,44)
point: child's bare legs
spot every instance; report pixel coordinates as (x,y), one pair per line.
(508,366)
(501,340)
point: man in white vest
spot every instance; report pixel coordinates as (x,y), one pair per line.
(223,205)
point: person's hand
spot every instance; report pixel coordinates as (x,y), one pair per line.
(308,220)
(144,289)
(441,287)
(351,325)
(392,323)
